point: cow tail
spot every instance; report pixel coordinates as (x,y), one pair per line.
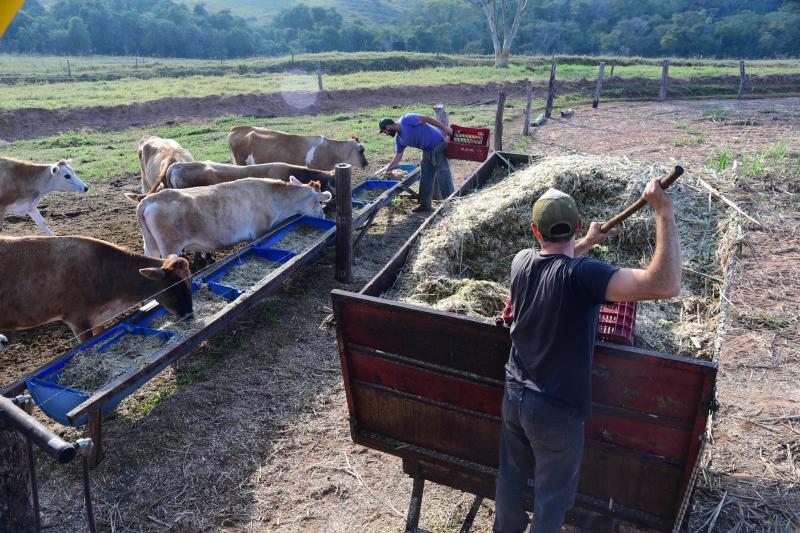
(162,175)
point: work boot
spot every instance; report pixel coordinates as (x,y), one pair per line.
(422,209)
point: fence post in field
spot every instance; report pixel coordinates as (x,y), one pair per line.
(498,121)
(16,494)
(442,116)
(742,80)
(613,64)
(551,90)
(596,100)
(526,128)
(662,93)
(319,76)
(344,223)
(69,70)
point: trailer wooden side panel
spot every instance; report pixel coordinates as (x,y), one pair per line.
(427,386)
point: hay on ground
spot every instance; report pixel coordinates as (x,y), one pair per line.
(478,236)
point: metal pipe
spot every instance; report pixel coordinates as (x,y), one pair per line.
(51,443)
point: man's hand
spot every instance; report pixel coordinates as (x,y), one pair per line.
(593,236)
(657,197)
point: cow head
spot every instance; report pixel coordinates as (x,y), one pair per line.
(174,282)
(314,201)
(3,342)
(357,157)
(63,178)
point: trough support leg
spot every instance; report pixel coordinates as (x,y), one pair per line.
(415,507)
(473,512)
(96,434)
(364,228)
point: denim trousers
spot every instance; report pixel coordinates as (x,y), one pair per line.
(435,162)
(543,440)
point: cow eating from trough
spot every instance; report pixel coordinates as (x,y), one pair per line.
(203,173)
(214,217)
(23,184)
(253,146)
(155,157)
(83,282)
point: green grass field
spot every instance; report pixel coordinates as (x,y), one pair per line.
(99,156)
(134,90)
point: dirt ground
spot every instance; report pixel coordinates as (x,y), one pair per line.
(250,432)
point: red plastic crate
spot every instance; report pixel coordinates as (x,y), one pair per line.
(617,323)
(469,144)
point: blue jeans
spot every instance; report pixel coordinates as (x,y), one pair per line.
(435,162)
(544,439)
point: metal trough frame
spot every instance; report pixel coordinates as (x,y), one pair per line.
(131,381)
(427,386)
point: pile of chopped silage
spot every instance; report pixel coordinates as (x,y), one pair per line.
(462,262)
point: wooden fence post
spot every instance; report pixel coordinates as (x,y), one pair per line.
(16,500)
(551,90)
(498,121)
(344,223)
(526,128)
(742,80)
(613,64)
(443,117)
(69,70)
(662,93)
(319,76)
(596,100)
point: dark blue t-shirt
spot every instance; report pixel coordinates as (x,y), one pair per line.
(415,134)
(556,302)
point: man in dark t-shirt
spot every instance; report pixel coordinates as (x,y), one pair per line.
(556,296)
(430,136)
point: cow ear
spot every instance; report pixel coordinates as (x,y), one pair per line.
(156,274)
(294,181)
(54,170)
(325,197)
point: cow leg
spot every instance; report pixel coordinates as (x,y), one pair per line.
(2,217)
(37,217)
(82,329)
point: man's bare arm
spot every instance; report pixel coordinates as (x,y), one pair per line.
(662,277)
(593,237)
(393,163)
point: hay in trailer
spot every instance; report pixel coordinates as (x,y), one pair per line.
(479,234)
(91,369)
(248,273)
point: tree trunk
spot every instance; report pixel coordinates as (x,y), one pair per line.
(501,60)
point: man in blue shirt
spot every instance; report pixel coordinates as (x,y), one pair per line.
(427,134)
(556,296)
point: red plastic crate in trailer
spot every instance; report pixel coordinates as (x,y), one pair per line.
(617,323)
(469,144)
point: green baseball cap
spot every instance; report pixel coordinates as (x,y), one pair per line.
(383,123)
(555,214)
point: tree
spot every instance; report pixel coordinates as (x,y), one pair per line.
(502,49)
(78,39)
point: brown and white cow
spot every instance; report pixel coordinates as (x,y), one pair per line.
(252,146)
(155,157)
(83,282)
(205,219)
(203,173)
(23,184)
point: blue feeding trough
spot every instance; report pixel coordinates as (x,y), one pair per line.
(269,259)
(56,400)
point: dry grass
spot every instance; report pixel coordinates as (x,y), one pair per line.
(479,235)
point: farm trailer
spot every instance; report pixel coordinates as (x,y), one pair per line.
(75,407)
(427,386)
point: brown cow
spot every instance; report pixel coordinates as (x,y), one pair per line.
(251,146)
(206,219)
(155,157)
(203,173)
(23,184)
(84,282)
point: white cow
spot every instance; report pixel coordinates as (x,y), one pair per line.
(214,217)
(3,342)
(23,184)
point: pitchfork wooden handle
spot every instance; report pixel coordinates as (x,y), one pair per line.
(641,202)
